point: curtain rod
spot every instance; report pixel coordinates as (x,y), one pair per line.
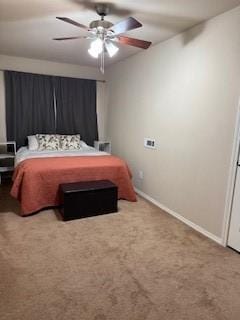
(103,81)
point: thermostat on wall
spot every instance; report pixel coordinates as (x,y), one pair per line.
(149,143)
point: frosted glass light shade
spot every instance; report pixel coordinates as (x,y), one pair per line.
(96,48)
(93,53)
(111,49)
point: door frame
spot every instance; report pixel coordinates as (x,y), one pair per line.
(231,179)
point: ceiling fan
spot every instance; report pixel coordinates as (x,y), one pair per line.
(104,34)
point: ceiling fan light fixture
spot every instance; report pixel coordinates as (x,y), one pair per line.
(111,49)
(96,48)
(93,53)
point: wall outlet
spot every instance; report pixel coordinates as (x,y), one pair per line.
(149,143)
(140,174)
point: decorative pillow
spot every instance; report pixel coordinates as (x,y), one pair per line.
(70,142)
(48,142)
(32,143)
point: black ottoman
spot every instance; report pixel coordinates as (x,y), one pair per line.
(88,198)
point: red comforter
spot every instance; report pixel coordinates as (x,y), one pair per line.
(36,181)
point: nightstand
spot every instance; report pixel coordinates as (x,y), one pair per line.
(103,146)
(7,156)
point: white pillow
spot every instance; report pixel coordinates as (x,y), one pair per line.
(32,143)
(83,145)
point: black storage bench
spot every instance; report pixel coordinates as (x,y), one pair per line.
(88,198)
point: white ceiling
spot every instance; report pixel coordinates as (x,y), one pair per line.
(28,26)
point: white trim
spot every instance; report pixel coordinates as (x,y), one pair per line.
(180,217)
(231,180)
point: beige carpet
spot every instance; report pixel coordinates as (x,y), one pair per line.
(138,264)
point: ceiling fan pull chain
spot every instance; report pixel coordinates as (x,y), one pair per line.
(102,62)
(103,53)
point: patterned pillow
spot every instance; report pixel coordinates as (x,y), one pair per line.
(70,142)
(48,142)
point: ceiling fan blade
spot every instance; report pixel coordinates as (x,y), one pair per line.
(134,42)
(69,38)
(73,22)
(125,25)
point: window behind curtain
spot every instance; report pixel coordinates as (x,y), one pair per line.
(29,105)
(76,108)
(47,104)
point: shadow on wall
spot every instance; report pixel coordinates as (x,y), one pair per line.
(168,22)
(172,23)
(18,11)
(113,9)
(153,18)
(191,34)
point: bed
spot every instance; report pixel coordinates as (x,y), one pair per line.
(37,175)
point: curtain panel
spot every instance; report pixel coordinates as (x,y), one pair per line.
(48,104)
(76,107)
(29,105)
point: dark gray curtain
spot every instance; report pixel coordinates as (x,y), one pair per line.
(76,107)
(29,105)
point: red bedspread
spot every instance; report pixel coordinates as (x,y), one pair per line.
(36,181)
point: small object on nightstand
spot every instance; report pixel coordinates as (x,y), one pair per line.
(103,146)
(7,156)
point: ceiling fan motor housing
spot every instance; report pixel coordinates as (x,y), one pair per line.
(100,23)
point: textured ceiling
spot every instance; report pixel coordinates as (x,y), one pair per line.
(28,26)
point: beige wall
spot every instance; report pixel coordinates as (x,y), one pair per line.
(52,68)
(184,93)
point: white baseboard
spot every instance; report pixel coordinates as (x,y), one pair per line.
(180,217)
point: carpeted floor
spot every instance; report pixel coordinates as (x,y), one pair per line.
(138,264)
